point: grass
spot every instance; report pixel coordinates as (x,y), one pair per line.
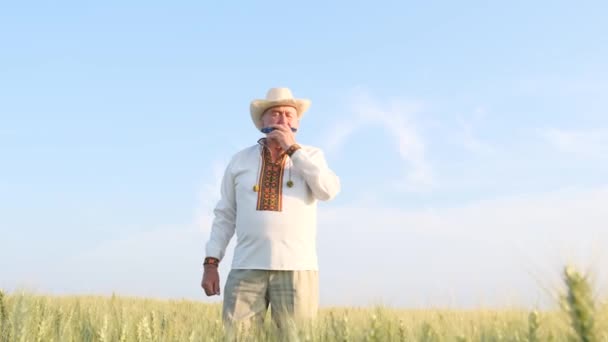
(29,317)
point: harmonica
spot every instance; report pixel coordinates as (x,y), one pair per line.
(267,130)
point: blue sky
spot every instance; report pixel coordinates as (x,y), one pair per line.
(471,140)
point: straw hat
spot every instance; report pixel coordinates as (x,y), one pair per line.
(276,97)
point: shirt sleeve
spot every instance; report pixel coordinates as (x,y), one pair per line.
(311,163)
(224,221)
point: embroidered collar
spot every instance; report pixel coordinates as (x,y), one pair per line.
(267,155)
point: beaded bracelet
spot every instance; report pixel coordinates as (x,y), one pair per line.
(292,149)
(211,261)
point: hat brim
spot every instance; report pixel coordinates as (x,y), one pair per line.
(258,107)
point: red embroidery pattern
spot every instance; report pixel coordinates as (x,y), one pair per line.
(270,196)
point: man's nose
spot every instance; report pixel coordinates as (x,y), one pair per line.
(282,119)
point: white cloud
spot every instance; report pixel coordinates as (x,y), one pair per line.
(340,132)
(209,195)
(472,143)
(396,118)
(469,139)
(585,143)
(164,262)
(505,251)
(562,86)
(159,262)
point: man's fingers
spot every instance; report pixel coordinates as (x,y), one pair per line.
(282,128)
(278,134)
(211,283)
(207,286)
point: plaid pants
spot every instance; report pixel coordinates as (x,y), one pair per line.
(293,297)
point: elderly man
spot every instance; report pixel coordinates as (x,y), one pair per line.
(269,197)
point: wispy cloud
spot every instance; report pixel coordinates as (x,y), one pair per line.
(506,251)
(161,262)
(396,117)
(564,86)
(340,132)
(469,138)
(209,195)
(584,143)
(139,263)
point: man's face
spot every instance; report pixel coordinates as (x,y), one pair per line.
(281,115)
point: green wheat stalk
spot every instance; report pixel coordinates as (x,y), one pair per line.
(533,325)
(578,303)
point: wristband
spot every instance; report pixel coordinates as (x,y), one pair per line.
(293,148)
(211,261)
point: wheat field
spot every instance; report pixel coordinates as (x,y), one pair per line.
(30,317)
